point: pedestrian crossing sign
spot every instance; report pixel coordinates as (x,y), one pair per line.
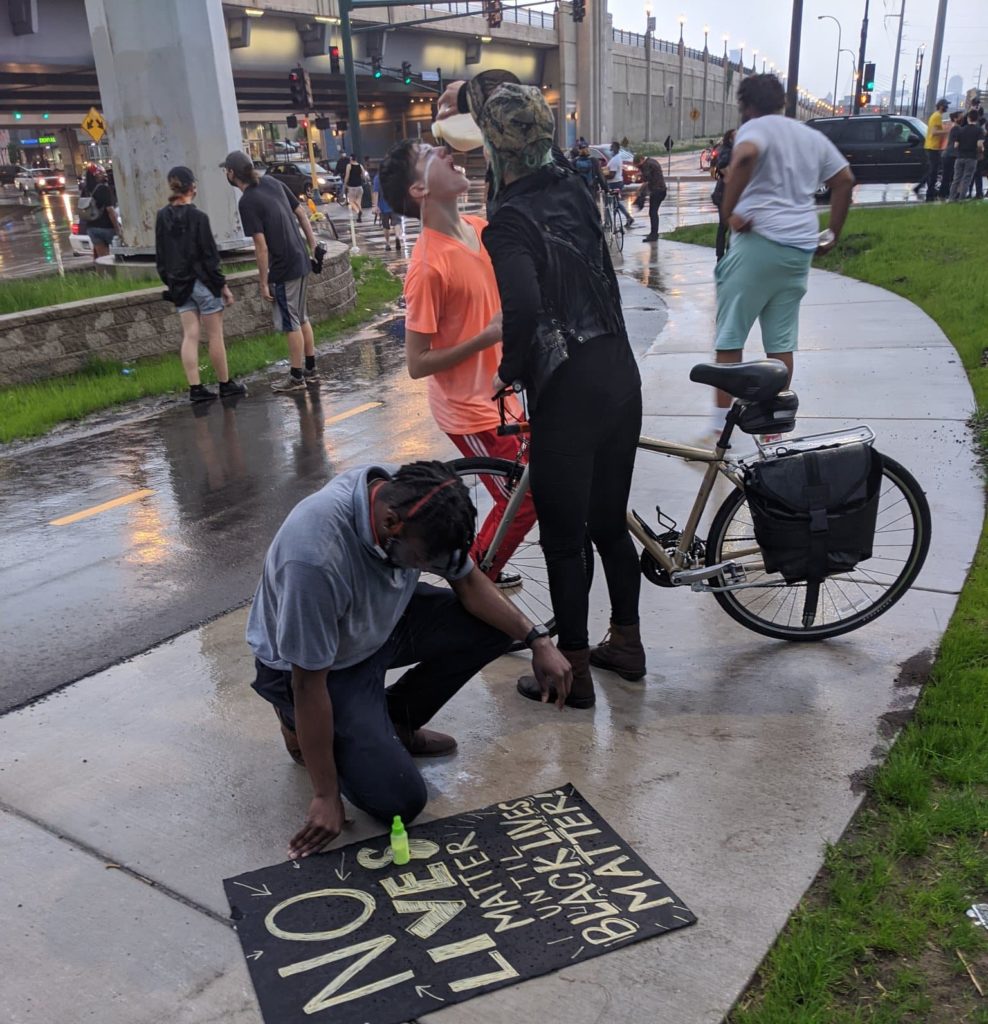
(94,125)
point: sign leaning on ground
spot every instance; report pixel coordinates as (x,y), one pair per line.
(488,899)
(94,125)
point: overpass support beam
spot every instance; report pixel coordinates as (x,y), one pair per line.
(167,89)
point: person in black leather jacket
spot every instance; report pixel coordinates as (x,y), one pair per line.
(189,264)
(565,340)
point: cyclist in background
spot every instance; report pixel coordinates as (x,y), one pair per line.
(615,180)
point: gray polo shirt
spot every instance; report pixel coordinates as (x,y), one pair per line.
(327,598)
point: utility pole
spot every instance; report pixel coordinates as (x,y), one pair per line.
(934,79)
(706,70)
(795,35)
(898,50)
(861,59)
(946,76)
(682,59)
(920,54)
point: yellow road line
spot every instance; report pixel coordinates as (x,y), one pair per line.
(105,507)
(339,417)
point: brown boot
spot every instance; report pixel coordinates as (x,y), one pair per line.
(621,651)
(581,694)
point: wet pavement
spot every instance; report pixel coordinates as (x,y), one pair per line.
(729,767)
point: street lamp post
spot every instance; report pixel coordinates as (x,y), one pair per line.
(741,63)
(754,62)
(682,59)
(649,29)
(830,17)
(723,129)
(706,69)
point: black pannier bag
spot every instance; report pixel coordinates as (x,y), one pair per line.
(814,513)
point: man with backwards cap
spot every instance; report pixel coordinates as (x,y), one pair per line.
(272,216)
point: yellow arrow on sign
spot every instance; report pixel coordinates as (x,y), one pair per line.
(94,124)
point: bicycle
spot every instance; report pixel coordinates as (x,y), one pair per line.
(613,219)
(728,564)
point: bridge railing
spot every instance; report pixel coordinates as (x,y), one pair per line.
(511,11)
(663,46)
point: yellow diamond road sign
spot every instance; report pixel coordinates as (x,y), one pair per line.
(94,125)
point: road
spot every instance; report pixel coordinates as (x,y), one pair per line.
(34,233)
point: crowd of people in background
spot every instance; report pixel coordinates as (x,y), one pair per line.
(954,153)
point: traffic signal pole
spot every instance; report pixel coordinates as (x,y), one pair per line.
(350,76)
(861,62)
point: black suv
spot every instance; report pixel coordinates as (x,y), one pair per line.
(879,147)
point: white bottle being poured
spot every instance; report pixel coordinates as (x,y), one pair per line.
(459,132)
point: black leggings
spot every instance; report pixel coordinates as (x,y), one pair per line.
(582,458)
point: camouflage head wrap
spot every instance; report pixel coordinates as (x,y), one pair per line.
(516,118)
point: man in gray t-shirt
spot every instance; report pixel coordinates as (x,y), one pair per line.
(272,216)
(340,602)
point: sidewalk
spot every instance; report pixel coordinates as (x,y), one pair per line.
(127,797)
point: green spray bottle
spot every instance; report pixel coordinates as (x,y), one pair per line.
(399,841)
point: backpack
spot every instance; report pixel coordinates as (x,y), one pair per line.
(584,166)
(88,210)
(814,513)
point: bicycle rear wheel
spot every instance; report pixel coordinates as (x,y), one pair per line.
(608,223)
(619,232)
(531,596)
(848,601)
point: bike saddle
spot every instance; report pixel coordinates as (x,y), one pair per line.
(751,382)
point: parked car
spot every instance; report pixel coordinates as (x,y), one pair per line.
(630,175)
(40,179)
(879,147)
(8,172)
(297,175)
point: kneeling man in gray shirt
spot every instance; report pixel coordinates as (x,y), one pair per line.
(340,602)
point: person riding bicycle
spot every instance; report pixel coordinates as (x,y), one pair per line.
(614,173)
(453,326)
(565,339)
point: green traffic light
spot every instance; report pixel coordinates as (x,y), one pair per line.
(377,74)
(17,115)
(45,116)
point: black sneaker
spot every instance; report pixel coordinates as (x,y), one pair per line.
(397,245)
(650,238)
(507,579)
(230,388)
(198,393)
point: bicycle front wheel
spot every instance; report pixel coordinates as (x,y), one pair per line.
(774,608)
(619,235)
(527,563)
(608,225)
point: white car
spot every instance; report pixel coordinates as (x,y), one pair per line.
(40,179)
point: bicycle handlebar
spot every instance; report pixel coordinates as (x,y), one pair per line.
(507,429)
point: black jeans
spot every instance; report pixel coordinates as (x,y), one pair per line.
(947,164)
(447,647)
(931,173)
(654,202)
(581,462)
(723,236)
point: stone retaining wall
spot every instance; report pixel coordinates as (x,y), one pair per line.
(56,340)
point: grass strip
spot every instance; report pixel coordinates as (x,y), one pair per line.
(28,410)
(881,936)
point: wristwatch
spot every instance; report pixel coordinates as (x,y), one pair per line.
(536,633)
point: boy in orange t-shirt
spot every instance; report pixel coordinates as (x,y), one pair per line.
(453,321)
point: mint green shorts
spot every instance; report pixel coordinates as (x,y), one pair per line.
(760,280)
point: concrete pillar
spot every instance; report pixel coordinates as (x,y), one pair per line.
(167,91)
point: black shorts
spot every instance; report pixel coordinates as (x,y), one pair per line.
(387,219)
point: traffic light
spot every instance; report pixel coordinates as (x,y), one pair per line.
(45,116)
(579,10)
(406,72)
(376,65)
(291,121)
(869,78)
(17,115)
(494,13)
(300,88)
(864,99)
(322,123)
(334,60)
(341,126)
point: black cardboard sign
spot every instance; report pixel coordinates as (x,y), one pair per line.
(488,899)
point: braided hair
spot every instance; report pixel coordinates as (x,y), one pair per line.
(434,501)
